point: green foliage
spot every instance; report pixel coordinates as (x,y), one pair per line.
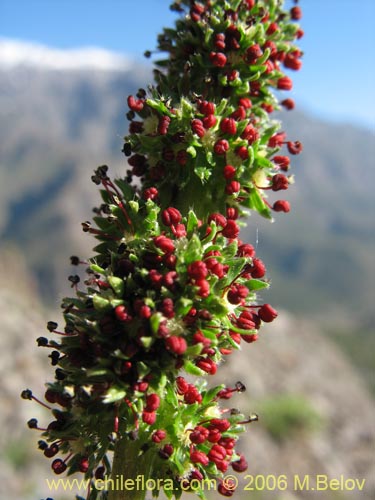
(287,415)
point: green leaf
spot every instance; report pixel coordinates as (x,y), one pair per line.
(97,269)
(256,202)
(235,267)
(192,222)
(193,250)
(160,107)
(190,368)
(217,306)
(194,350)
(192,151)
(220,108)
(171,396)
(203,173)
(183,306)
(256,284)
(211,394)
(101,304)
(230,251)
(114,393)
(155,321)
(117,285)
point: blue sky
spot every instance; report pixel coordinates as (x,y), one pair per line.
(337,80)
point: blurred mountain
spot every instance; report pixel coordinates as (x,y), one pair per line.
(58,125)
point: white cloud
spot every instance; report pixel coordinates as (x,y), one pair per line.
(15,53)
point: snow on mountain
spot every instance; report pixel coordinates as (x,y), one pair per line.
(18,53)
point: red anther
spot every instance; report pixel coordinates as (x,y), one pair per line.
(296,13)
(295,147)
(182,385)
(237,293)
(163,243)
(164,125)
(246,321)
(267,107)
(282,161)
(252,54)
(232,188)
(175,344)
(281,206)
(204,288)
(242,152)
(279,182)
(209,121)
(299,33)
(228,126)
(199,435)
(171,216)
(272,28)
(207,365)
(169,279)
(277,140)
(267,313)
(199,338)
(149,417)
(239,114)
(83,465)
(214,436)
(222,424)
(158,436)
(232,213)
(207,108)
(250,338)
(135,104)
(198,128)
(150,193)
(192,395)
(221,147)
(257,269)
(231,230)
(152,402)
(272,46)
(246,250)
(167,308)
(240,465)
(284,83)
(197,270)
(166,451)
(217,453)
(229,172)
(58,466)
(219,219)
(222,465)
(218,59)
(245,102)
(288,104)
(292,62)
(250,134)
(227,488)
(156,278)
(198,457)
(219,41)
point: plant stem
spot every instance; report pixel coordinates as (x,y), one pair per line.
(130,463)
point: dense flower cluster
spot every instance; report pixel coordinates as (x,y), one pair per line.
(172,290)
(177,294)
(218,142)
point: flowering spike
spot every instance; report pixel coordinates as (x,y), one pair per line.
(171,287)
